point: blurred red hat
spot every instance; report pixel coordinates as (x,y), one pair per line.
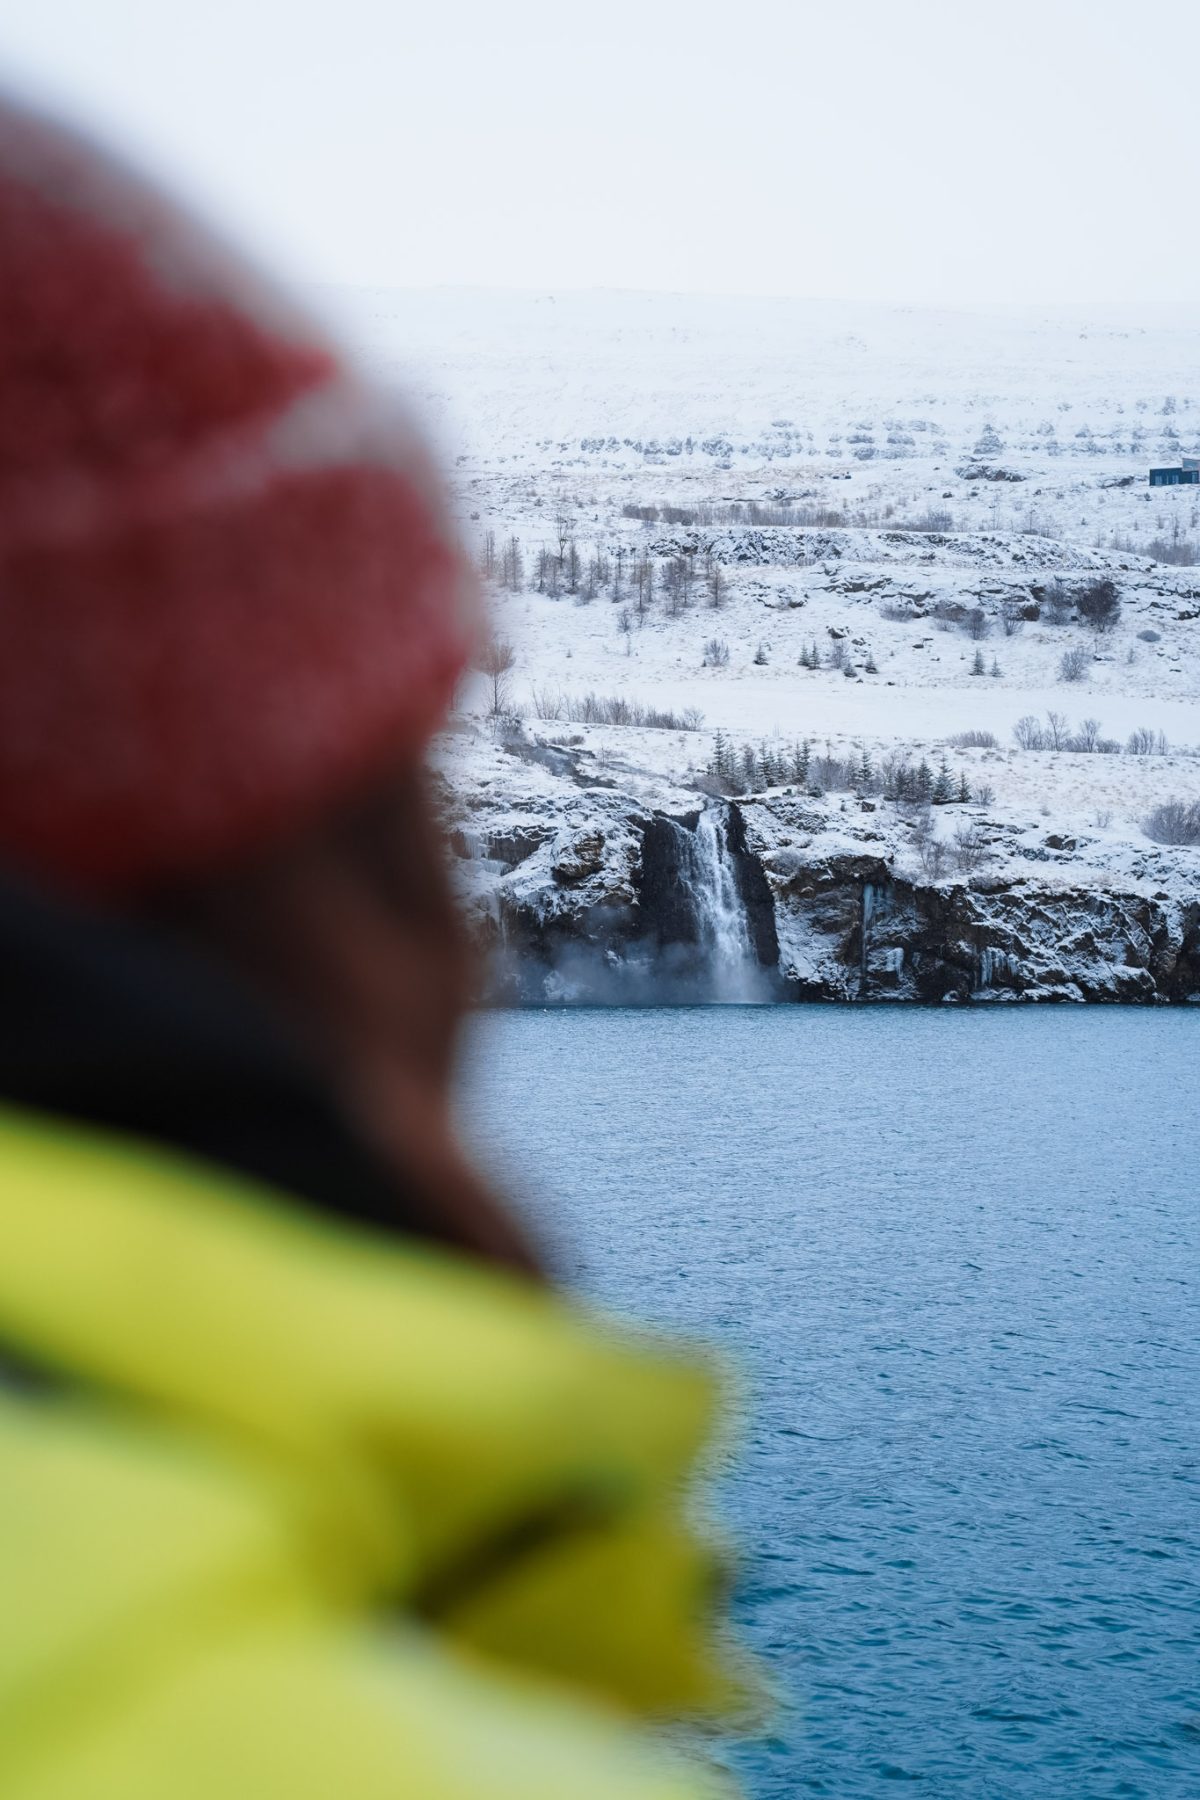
(229,593)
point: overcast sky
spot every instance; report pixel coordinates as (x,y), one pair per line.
(881,150)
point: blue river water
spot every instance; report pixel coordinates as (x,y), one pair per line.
(957,1256)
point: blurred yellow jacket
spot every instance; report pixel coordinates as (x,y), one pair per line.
(291,1512)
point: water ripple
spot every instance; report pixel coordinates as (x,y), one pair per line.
(958,1257)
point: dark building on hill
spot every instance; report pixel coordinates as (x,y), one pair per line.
(1186,475)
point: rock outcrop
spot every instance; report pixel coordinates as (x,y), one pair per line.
(584,894)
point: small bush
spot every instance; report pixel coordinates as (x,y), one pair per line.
(970,848)
(1073,664)
(1099,604)
(931,852)
(974,740)
(1086,738)
(1150,637)
(1174,822)
(548,703)
(613,709)
(1178,550)
(1058,604)
(1029,734)
(716,654)
(1145,742)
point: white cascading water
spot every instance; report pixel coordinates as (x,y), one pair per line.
(721,921)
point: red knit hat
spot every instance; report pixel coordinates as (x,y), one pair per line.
(228,590)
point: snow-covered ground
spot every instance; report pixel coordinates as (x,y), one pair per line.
(948,467)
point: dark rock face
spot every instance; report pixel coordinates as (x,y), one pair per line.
(600,906)
(667,911)
(887,938)
(755,891)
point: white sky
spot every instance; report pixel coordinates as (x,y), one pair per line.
(925,150)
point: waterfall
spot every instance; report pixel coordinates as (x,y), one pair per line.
(707,868)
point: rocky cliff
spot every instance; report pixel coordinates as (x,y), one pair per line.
(585,891)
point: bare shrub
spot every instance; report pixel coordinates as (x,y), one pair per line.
(1058,603)
(1073,664)
(1145,742)
(973,740)
(978,624)
(1028,733)
(931,852)
(548,703)
(1086,738)
(1174,822)
(496,661)
(615,709)
(1058,729)
(1181,551)
(716,654)
(970,847)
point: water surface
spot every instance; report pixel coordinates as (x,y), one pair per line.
(958,1254)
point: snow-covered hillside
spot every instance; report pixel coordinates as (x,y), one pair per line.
(804,533)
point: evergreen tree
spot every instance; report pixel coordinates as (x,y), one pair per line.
(964,790)
(512,566)
(942,789)
(719,763)
(801,759)
(979,667)
(923,782)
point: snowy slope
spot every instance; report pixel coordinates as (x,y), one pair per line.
(937,473)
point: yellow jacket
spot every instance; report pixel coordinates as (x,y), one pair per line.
(300,1514)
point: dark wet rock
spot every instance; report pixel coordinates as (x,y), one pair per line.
(586,896)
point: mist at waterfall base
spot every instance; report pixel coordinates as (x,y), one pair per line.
(956,1254)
